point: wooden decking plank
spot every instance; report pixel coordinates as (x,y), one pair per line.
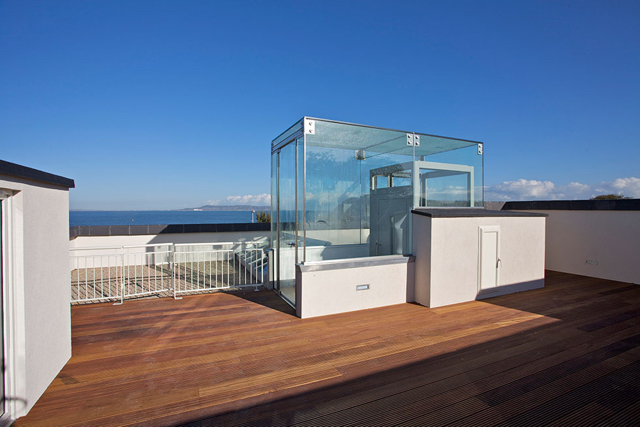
(234,359)
(499,395)
(611,320)
(466,376)
(449,391)
(625,417)
(536,398)
(625,382)
(617,399)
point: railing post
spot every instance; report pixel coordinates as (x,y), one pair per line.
(172,250)
(121,281)
(256,264)
(174,254)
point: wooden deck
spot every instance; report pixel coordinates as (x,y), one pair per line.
(568,354)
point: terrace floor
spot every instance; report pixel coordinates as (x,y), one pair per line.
(566,354)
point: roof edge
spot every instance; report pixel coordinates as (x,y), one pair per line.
(13,169)
(575,205)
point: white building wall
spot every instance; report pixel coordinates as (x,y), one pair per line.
(177,238)
(38,332)
(594,243)
(447,262)
(334,290)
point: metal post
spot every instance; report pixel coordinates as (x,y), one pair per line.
(121,280)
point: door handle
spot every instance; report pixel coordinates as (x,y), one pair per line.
(498,263)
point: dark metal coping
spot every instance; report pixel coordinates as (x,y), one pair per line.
(134,230)
(8,168)
(471,213)
(576,205)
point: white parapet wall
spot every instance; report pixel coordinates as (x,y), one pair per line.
(447,245)
(35,278)
(594,238)
(339,286)
(169,238)
(594,243)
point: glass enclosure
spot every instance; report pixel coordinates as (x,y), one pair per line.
(342,190)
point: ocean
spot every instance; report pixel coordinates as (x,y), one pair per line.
(157,217)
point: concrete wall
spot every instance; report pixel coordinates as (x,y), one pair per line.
(178,238)
(329,287)
(340,237)
(36,281)
(322,253)
(447,251)
(595,243)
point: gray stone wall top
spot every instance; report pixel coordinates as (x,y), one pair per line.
(576,205)
(13,169)
(132,230)
(471,213)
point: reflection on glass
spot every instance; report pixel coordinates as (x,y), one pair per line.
(360,186)
(286,221)
(274,218)
(356,187)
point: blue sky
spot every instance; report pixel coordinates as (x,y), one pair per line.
(160,105)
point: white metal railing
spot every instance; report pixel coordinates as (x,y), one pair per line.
(97,276)
(118,273)
(210,266)
(146,273)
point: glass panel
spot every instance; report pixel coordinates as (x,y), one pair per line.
(287,134)
(362,182)
(452,178)
(2,399)
(286,222)
(344,215)
(300,207)
(274,218)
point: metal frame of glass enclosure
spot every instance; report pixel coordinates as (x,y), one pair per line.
(343,190)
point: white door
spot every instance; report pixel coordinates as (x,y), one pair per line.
(489,257)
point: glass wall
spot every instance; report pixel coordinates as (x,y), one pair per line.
(451,172)
(353,187)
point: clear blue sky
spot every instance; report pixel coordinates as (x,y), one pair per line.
(157,105)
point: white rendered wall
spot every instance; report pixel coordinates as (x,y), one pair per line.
(325,292)
(322,253)
(447,250)
(177,238)
(341,237)
(609,238)
(39,331)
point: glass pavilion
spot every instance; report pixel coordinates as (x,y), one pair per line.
(342,190)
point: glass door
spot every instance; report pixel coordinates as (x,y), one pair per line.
(287,242)
(2,400)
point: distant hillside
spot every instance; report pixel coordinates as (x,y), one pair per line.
(229,208)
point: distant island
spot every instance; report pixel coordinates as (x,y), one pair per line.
(229,208)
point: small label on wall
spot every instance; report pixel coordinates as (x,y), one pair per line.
(592,262)
(362,287)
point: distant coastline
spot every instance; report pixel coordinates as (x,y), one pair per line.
(229,208)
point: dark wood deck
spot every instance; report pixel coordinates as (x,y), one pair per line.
(568,354)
